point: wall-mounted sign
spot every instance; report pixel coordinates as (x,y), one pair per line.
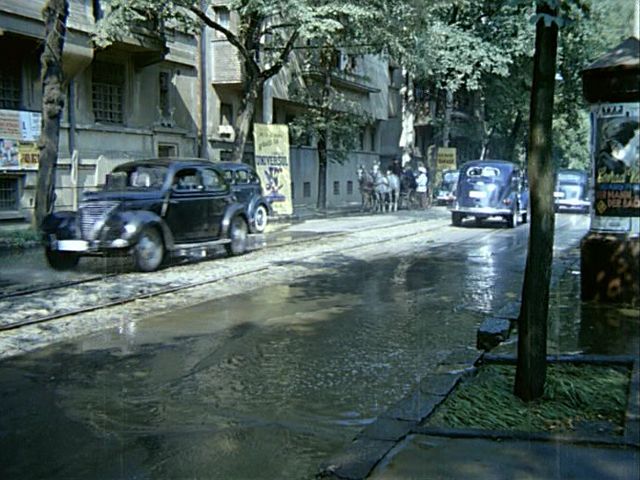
(616,159)
(446,159)
(19,133)
(272,165)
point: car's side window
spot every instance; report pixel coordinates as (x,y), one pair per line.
(212,181)
(242,176)
(187,180)
(228,176)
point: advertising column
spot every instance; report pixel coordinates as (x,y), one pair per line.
(273,165)
(610,252)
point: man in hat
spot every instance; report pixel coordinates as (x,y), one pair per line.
(422,183)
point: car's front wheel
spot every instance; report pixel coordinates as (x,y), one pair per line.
(260,218)
(61,260)
(512,220)
(238,234)
(148,252)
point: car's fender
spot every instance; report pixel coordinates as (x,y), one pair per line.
(62,224)
(231,211)
(256,202)
(129,224)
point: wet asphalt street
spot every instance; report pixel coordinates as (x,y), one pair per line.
(269,382)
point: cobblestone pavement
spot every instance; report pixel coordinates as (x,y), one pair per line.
(363,236)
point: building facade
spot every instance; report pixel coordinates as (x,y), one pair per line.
(134,99)
(145,96)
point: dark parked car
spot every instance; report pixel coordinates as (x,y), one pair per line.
(246,186)
(446,191)
(491,188)
(572,191)
(148,208)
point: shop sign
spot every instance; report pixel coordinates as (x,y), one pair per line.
(446,159)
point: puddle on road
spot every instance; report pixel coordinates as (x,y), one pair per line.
(265,384)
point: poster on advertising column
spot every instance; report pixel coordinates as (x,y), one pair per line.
(273,166)
(616,159)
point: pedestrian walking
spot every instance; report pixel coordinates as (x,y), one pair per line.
(422,183)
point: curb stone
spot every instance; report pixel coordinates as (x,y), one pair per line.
(376,440)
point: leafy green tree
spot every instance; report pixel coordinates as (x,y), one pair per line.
(55,15)
(265,37)
(329,115)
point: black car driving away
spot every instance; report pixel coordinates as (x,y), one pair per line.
(246,186)
(491,188)
(148,208)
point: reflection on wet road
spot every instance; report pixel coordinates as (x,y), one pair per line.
(261,385)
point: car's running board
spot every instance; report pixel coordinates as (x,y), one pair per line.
(190,246)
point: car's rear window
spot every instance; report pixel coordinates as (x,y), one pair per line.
(575,178)
(483,172)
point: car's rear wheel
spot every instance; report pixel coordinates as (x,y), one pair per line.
(61,260)
(525,217)
(260,218)
(238,234)
(148,252)
(456,219)
(512,220)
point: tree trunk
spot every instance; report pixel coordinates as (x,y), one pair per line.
(510,148)
(322,170)
(407,138)
(532,324)
(448,110)
(55,18)
(245,118)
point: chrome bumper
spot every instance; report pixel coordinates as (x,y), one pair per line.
(80,246)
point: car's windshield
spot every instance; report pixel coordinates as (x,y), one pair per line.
(138,177)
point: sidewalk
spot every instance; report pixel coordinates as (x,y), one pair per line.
(396,447)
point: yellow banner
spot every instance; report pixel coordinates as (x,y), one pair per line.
(273,166)
(446,159)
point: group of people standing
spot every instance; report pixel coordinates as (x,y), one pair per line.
(411,182)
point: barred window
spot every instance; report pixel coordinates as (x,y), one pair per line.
(306,189)
(349,187)
(10,85)
(108,92)
(9,191)
(336,188)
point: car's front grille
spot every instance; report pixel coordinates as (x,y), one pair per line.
(92,217)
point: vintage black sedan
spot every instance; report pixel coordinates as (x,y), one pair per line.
(149,208)
(246,186)
(491,188)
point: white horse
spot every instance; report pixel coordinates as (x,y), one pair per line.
(380,189)
(394,190)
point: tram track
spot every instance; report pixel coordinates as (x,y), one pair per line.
(172,288)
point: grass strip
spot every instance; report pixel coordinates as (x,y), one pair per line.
(573,394)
